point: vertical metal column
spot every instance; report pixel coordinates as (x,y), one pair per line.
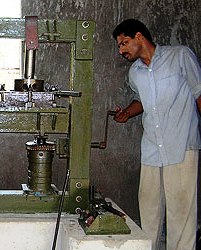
(80,142)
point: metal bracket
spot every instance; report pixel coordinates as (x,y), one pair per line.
(40,126)
(52,32)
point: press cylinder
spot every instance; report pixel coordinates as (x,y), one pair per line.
(40,155)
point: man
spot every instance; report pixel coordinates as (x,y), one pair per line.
(166,81)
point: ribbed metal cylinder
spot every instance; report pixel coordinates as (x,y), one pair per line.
(40,156)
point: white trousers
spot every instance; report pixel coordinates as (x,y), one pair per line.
(172,190)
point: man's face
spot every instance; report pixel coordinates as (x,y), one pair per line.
(129,48)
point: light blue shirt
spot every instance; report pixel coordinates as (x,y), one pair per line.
(168,88)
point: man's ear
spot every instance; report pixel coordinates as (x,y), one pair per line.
(139,36)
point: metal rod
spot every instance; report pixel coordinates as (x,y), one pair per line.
(30,64)
(103,144)
(60,209)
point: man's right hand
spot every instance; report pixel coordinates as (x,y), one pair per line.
(122,115)
(133,109)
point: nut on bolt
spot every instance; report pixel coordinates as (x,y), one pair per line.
(84,51)
(85,24)
(85,37)
(78,210)
(78,198)
(78,184)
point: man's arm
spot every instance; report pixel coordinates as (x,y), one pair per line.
(198,101)
(135,108)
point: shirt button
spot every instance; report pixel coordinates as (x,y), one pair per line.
(150,70)
(160,145)
(157,126)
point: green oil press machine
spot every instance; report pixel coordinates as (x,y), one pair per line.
(39,109)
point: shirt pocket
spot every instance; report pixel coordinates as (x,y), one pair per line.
(169,88)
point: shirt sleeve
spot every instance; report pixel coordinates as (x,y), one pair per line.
(133,87)
(192,71)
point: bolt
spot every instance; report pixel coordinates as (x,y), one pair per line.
(78,210)
(84,51)
(78,184)
(78,198)
(85,37)
(85,24)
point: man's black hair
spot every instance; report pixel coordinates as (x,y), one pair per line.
(130,27)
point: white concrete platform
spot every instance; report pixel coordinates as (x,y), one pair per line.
(36,232)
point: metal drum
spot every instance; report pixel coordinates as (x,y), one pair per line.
(40,155)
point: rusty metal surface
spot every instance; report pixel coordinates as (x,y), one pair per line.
(31,32)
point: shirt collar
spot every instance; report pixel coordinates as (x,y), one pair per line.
(157,52)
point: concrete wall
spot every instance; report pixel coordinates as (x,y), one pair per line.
(115,170)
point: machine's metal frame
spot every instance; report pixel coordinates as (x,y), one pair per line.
(79,33)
